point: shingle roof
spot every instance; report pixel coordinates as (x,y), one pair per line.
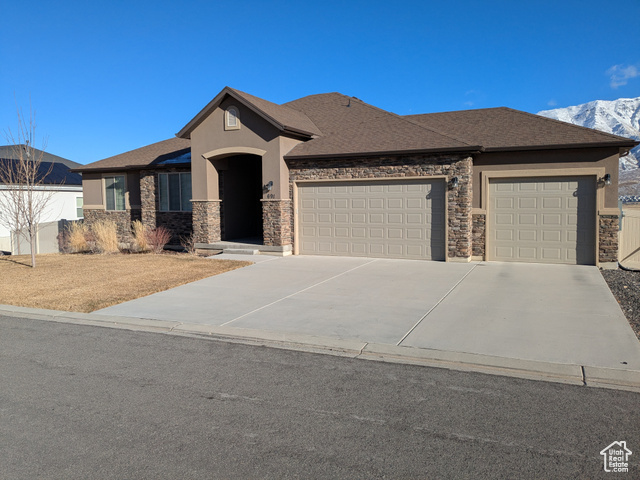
(283,117)
(51,173)
(141,157)
(508,129)
(9,151)
(351,127)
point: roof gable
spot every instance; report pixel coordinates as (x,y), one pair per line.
(504,128)
(282,117)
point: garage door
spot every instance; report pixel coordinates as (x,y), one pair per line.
(396,219)
(544,220)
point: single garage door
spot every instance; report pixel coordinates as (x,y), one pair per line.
(396,219)
(544,220)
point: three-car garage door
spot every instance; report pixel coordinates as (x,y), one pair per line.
(544,220)
(389,218)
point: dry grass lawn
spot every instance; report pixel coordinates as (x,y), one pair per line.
(84,283)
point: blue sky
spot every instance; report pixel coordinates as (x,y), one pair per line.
(107,77)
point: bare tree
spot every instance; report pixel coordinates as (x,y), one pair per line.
(25,194)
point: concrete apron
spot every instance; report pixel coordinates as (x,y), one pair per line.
(555,323)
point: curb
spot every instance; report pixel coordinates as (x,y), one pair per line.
(572,374)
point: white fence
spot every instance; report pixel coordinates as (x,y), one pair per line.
(629,249)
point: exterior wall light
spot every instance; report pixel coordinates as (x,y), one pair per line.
(268,186)
(453,183)
(607,179)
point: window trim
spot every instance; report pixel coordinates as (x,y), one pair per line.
(182,209)
(231,109)
(80,208)
(124,194)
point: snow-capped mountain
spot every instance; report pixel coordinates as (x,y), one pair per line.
(620,117)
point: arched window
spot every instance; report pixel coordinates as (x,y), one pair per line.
(232,118)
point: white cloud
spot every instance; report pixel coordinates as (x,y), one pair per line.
(552,103)
(620,74)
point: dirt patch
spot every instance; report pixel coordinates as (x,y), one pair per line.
(84,283)
(625,286)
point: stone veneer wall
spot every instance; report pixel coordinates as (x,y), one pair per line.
(122,219)
(608,238)
(458,199)
(277,222)
(478,234)
(206,220)
(180,224)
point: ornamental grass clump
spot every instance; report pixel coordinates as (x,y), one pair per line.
(105,235)
(77,235)
(140,236)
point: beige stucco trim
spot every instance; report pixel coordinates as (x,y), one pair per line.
(373,179)
(296,223)
(478,211)
(228,151)
(596,172)
(459,259)
(609,211)
(204,200)
(487,175)
(93,207)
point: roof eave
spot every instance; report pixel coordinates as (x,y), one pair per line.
(452,150)
(564,146)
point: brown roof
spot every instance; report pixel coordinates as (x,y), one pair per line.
(141,157)
(508,129)
(283,117)
(351,127)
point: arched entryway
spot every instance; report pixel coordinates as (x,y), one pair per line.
(240,186)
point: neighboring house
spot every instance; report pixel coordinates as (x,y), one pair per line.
(65,204)
(331,175)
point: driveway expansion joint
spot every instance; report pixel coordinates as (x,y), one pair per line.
(436,305)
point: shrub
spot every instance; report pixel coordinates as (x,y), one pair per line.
(188,242)
(76,237)
(140,232)
(105,234)
(158,238)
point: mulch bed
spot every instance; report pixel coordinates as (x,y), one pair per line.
(625,286)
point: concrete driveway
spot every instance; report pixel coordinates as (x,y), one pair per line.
(549,313)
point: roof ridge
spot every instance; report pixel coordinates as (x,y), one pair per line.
(580,127)
(414,123)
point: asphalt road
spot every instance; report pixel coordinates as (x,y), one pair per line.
(91,402)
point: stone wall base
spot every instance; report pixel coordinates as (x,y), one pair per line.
(276,222)
(478,234)
(206,221)
(608,239)
(122,219)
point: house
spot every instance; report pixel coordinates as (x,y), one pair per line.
(65,204)
(329,174)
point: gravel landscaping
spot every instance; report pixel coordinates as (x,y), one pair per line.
(625,286)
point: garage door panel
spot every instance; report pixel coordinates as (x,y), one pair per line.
(549,220)
(392,218)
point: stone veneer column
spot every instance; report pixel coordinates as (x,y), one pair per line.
(206,221)
(276,222)
(608,238)
(459,210)
(478,235)
(148,198)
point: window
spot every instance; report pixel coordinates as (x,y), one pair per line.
(231,119)
(175,192)
(79,205)
(114,188)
